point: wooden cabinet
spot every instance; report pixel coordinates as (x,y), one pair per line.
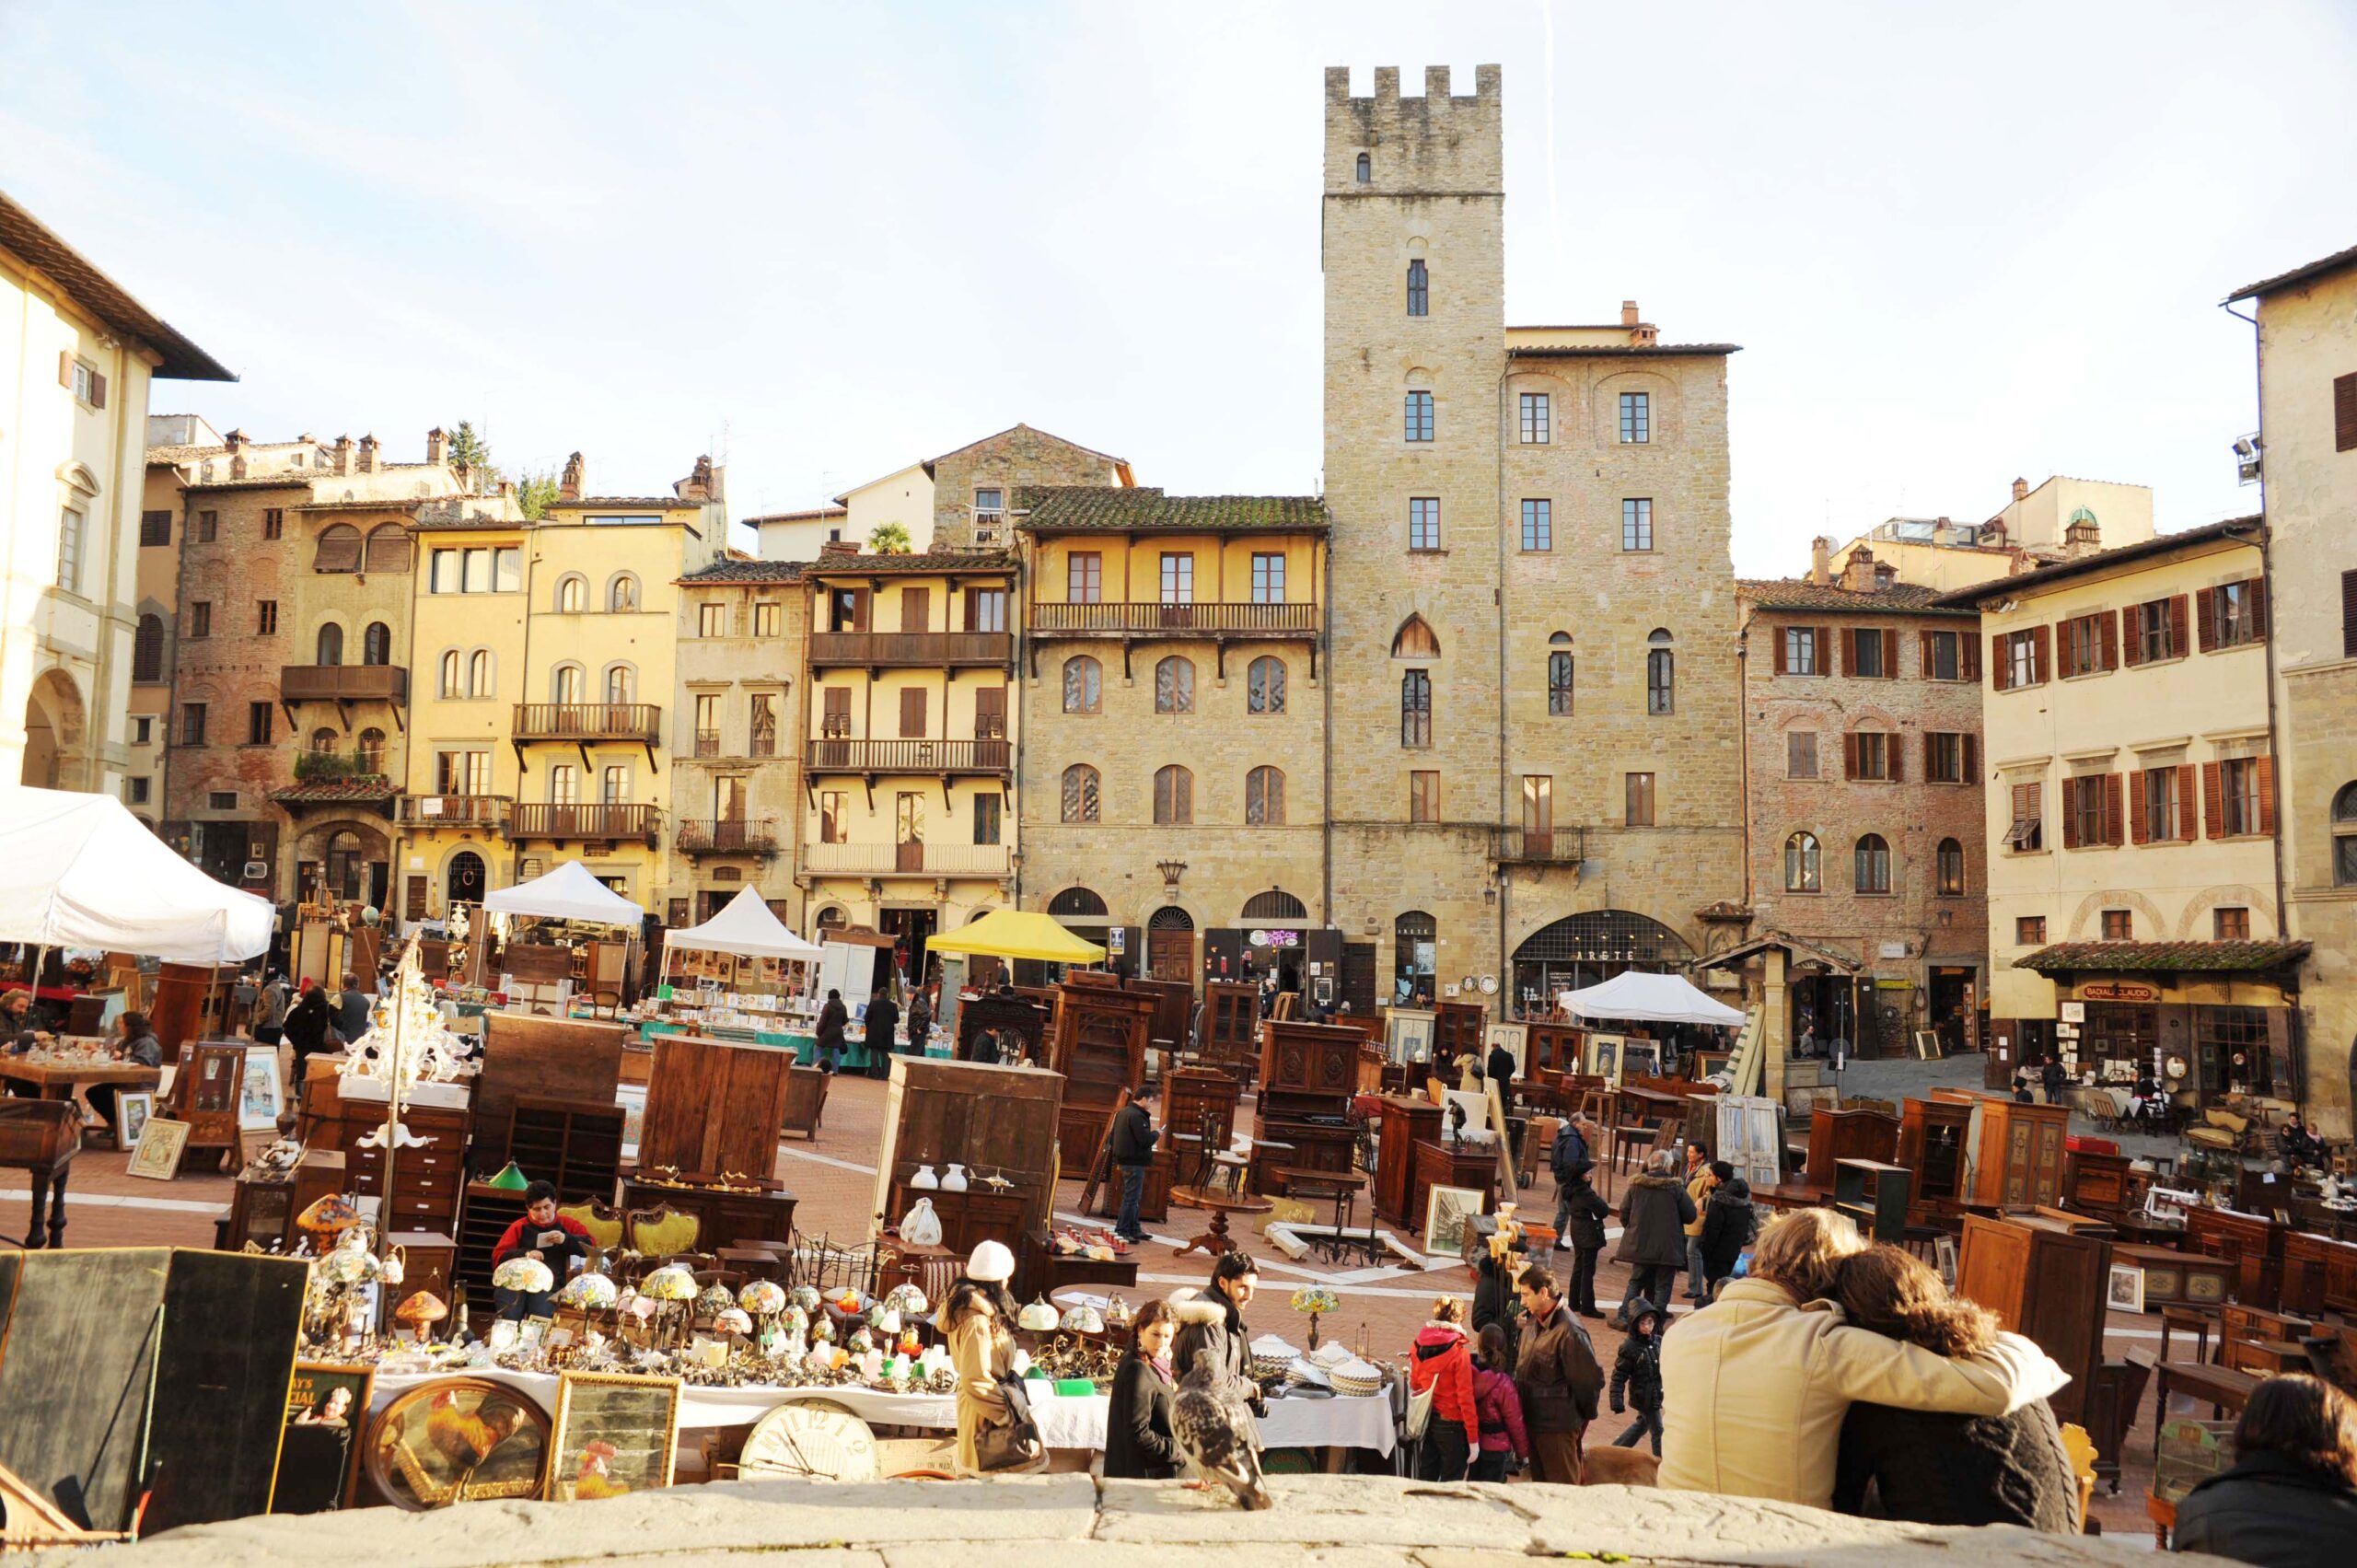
(2251,1245)
(1874,1195)
(2093,1179)
(1308,1075)
(1405,1120)
(1100,1049)
(1454,1165)
(1231,1014)
(968,1218)
(1457,1029)
(1931,1144)
(1002,1016)
(714,1110)
(548,1059)
(2319,1274)
(2046,1282)
(263,1211)
(576,1148)
(2176,1279)
(489,1211)
(1301,1060)
(986,1118)
(427,1180)
(1835,1134)
(2014,1151)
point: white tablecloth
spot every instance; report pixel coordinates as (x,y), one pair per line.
(1066,1421)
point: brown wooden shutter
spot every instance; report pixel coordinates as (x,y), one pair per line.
(1849,755)
(1844,666)
(1968,653)
(1931,761)
(989,713)
(859,610)
(2349,615)
(2108,639)
(1997,664)
(838,710)
(2111,813)
(1889,653)
(1923,653)
(2257,586)
(1971,759)
(2344,413)
(1776,635)
(2131,633)
(2209,619)
(2265,767)
(1825,650)
(2139,826)
(2070,813)
(2178,645)
(1895,747)
(2189,789)
(916,609)
(97,390)
(66,368)
(2041,641)
(2213,799)
(912,713)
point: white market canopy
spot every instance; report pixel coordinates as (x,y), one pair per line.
(567,893)
(81,871)
(744,926)
(1649,999)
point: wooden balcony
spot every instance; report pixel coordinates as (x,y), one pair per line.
(835,755)
(727,835)
(640,723)
(927,650)
(456,810)
(1530,846)
(1287,621)
(905,860)
(342,683)
(538,819)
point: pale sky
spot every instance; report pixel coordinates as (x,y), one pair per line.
(1959,244)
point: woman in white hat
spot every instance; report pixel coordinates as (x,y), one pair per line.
(978,1321)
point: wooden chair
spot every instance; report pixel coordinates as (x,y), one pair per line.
(1637,1139)
(664,1231)
(2082,1449)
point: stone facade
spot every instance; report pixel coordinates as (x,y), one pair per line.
(1015,457)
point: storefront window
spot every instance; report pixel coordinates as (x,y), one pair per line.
(2232,1045)
(1415,940)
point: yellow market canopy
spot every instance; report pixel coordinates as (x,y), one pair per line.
(1017,933)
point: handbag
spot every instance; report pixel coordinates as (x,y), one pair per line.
(920,1226)
(1420,1410)
(1011,1440)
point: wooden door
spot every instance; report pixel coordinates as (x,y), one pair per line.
(916,609)
(1358,977)
(1170,955)
(908,830)
(913,707)
(413,900)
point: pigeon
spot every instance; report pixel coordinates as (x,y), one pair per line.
(1214,1430)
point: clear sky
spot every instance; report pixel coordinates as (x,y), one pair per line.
(1959,244)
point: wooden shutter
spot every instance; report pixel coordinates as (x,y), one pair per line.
(1843,668)
(1889,653)
(989,713)
(2265,767)
(838,710)
(1971,759)
(2208,619)
(1923,653)
(2178,645)
(97,390)
(2131,633)
(2070,813)
(66,368)
(859,597)
(1825,650)
(2258,587)
(912,713)
(2344,413)
(2213,799)
(1849,755)
(2108,639)
(2189,789)
(1777,634)
(916,609)
(2111,812)
(2139,830)
(1894,746)
(1931,758)
(1967,654)
(1997,664)
(2041,641)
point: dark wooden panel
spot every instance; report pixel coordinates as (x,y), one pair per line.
(2047,1283)
(714,1108)
(1405,1120)
(1835,1134)
(1100,1049)
(230,1323)
(75,1370)
(984,1117)
(549,1059)
(2319,1274)
(2253,1245)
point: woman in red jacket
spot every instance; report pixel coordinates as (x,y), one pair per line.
(1505,1445)
(1443,1361)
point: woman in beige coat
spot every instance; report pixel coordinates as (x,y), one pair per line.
(1753,1386)
(982,1350)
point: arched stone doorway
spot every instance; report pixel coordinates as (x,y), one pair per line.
(1587,949)
(54,721)
(464,881)
(1170,944)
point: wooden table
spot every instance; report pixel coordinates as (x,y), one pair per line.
(1786,1196)
(57,1080)
(1214,1241)
(1653,1104)
(1342,1186)
(2222,1386)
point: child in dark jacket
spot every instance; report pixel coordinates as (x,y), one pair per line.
(1584,1212)
(1637,1373)
(1504,1445)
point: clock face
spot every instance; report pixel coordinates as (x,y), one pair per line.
(815,1438)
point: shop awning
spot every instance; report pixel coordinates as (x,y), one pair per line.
(1648,999)
(1017,934)
(567,893)
(2164,957)
(81,871)
(744,926)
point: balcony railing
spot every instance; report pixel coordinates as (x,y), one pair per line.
(638,723)
(840,756)
(728,835)
(456,810)
(929,649)
(1178,620)
(905,860)
(344,682)
(537,820)
(1532,846)
(707,743)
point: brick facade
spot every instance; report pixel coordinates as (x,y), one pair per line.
(1015,457)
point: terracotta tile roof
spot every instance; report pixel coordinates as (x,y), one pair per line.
(2253,529)
(291,479)
(1621,350)
(742,571)
(184,454)
(1798,593)
(103,297)
(2333,262)
(848,563)
(1056,508)
(320,791)
(636,502)
(2147,958)
(810,515)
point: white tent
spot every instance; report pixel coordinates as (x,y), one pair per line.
(744,925)
(80,871)
(1650,999)
(567,893)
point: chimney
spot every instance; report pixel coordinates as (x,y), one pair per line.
(1628,312)
(367,454)
(436,445)
(2021,490)
(1858,577)
(1820,561)
(236,442)
(568,485)
(697,486)
(343,454)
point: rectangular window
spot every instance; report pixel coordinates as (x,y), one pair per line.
(1424,523)
(2230,924)
(191,724)
(985,609)
(834,827)
(986,817)
(990,713)
(265,618)
(257,724)
(1870,754)
(1637,524)
(761,724)
(2023,667)
(1084,577)
(2119,926)
(707,724)
(614,784)
(1946,757)
(221,800)
(442,571)
(1636,417)
(1943,656)
(2234,614)
(477,576)
(2084,651)
(989,506)
(1419,288)
(712,620)
(85,382)
(2028,828)
(1868,647)
(274,522)
(1538,525)
(835,712)
(1640,793)
(70,523)
(154,528)
(847,609)
(507,570)
(2238,794)
(1267,579)
(1800,754)
(2163,821)
(2090,821)
(1423,796)
(1535,420)
(1418,416)
(469,772)
(1539,805)
(1416,709)
(138,792)
(2154,631)
(2029,931)
(1661,682)
(143,731)
(768,618)
(208,527)
(1178,579)
(1801,651)
(200,618)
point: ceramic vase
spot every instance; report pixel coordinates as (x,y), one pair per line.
(955,1180)
(925,1178)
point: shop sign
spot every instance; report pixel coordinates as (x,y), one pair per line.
(2118,991)
(1116,940)
(1274,939)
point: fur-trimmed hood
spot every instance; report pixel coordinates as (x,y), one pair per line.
(1201,1307)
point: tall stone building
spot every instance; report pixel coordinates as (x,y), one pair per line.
(1535,759)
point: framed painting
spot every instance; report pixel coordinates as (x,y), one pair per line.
(157,1154)
(259,1099)
(1604,1058)
(319,1448)
(2124,1290)
(1448,1211)
(1641,1058)
(457,1440)
(131,1109)
(1407,1035)
(615,1434)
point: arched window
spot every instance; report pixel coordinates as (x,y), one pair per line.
(147,649)
(377,643)
(344,864)
(1949,862)
(1264,798)
(1661,674)
(572,594)
(1170,917)
(621,594)
(1264,685)
(1080,794)
(1415,640)
(323,742)
(1419,289)
(372,750)
(2344,837)
(1174,685)
(1084,685)
(1366,169)
(1274,904)
(1874,864)
(330,645)
(568,683)
(1801,872)
(618,683)
(338,550)
(480,679)
(1173,796)
(1416,709)
(388,549)
(450,685)
(833,918)
(1559,685)
(1083,903)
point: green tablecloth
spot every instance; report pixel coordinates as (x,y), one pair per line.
(854,1056)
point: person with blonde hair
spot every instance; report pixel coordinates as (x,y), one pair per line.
(1755,1386)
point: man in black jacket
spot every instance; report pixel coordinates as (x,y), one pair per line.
(1727,1224)
(883,1023)
(1134,1140)
(1499,1070)
(831,1019)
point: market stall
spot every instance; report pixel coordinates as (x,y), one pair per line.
(81,871)
(1649,999)
(741,976)
(1003,933)
(552,963)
